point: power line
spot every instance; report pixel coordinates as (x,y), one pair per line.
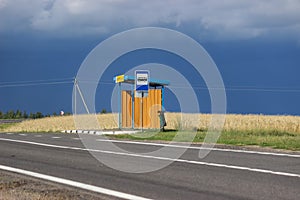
(262,90)
(202,87)
(36,81)
(239,89)
(35,84)
(175,86)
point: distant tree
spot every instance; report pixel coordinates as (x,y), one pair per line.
(103,111)
(25,116)
(32,115)
(18,114)
(54,114)
(68,113)
(10,114)
(39,115)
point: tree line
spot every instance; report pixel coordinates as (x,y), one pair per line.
(18,114)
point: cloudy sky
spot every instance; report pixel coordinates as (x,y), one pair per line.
(208,19)
(255,44)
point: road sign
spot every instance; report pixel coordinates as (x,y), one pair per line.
(141,80)
(120,79)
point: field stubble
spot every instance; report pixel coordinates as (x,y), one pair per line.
(281,132)
(233,122)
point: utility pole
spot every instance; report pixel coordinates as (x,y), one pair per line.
(81,96)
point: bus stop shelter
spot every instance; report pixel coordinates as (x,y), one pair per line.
(140,112)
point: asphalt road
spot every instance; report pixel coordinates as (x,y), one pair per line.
(9,121)
(223,174)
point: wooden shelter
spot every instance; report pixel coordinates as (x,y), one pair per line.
(138,112)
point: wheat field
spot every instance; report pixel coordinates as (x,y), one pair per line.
(290,124)
(237,122)
(61,123)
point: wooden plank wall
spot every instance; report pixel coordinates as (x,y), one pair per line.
(126,109)
(151,106)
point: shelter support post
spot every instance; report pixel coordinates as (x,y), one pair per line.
(120,106)
(162,97)
(132,111)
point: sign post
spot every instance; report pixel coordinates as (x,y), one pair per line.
(119,80)
(142,87)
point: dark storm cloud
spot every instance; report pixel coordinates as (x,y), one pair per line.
(213,19)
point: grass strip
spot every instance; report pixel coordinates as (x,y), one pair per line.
(5,126)
(262,138)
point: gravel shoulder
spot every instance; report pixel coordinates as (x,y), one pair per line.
(19,187)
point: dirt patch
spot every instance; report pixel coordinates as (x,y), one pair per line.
(18,187)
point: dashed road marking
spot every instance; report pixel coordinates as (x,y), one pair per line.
(265,171)
(22,134)
(55,137)
(38,136)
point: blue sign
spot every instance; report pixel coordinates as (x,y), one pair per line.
(142,80)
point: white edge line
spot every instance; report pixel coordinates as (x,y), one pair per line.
(73,183)
(200,148)
(159,158)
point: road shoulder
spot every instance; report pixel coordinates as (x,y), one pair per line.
(16,186)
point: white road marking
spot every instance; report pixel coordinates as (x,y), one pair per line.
(76,138)
(159,158)
(73,183)
(22,134)
(38,136)
(199,148)
(9,133)
(55,137)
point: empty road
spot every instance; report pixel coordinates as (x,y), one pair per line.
(223,174)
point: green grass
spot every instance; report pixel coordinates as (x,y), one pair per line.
(4,126)
(273,139)
(264,138)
